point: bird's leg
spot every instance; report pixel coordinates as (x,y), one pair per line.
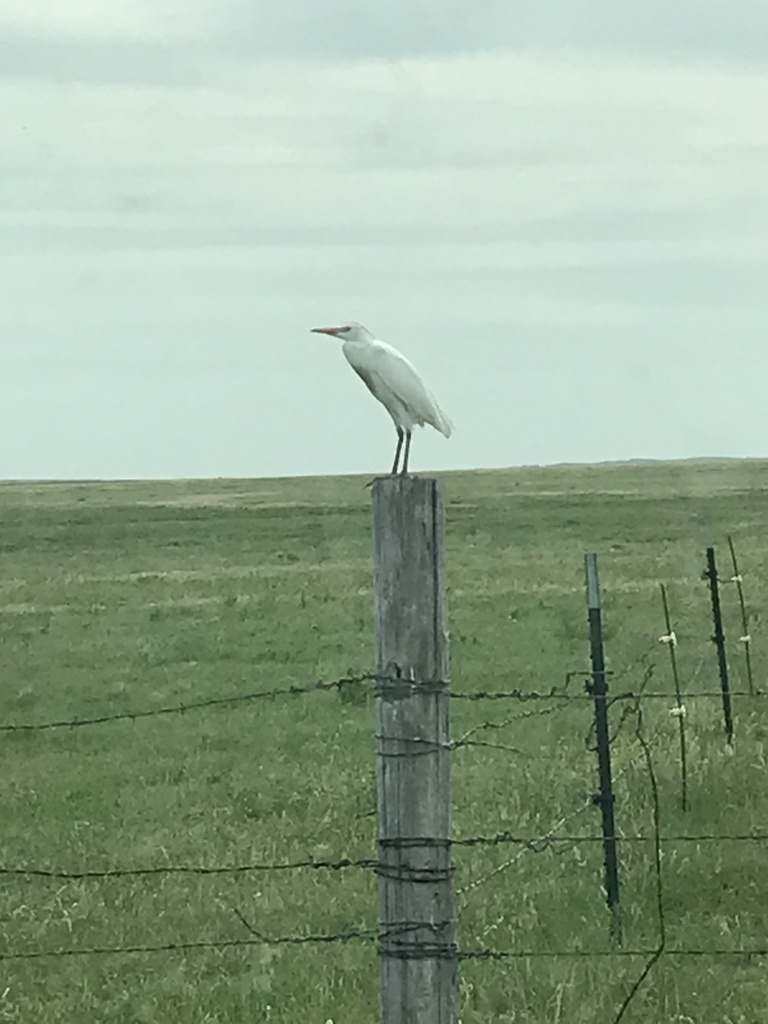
(404,470)
(398,449)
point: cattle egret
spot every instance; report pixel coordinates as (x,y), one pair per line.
(391,378)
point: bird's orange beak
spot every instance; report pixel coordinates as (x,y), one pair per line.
(334,331)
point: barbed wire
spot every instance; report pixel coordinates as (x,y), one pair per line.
(557,697)
(523,954)
(498,839)
(188,869)
(627,711)
(535,844)
(546,841)
(464,739)
(550,840)
(614,697)
(371,935)
(656,955)
(367,935)
(520,695)
(286,691)
(180,709)
(560,692)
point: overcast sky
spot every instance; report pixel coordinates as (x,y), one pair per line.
(558,209)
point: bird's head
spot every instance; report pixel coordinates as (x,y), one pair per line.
(351,331)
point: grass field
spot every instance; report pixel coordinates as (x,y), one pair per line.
(135,596)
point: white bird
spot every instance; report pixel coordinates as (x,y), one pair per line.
(391,378)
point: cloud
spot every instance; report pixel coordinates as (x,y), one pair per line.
(123,19)
(345,30)
(531,227)
(103,62)
(516,143)
(160,41)
(203,41)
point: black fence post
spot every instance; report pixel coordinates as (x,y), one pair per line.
(598,690)
(718,638)
(670,638)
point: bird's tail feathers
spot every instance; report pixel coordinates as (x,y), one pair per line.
(443,423)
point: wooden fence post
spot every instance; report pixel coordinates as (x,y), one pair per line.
(419,966)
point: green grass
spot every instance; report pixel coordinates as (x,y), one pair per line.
(132,596)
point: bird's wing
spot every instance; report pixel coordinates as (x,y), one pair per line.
(382,365)
(365,375)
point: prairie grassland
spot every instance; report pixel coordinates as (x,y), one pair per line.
(125,597)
